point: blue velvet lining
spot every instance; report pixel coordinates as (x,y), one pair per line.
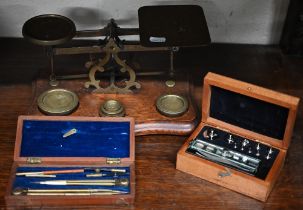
(248,113)
(93,139)
(27,182)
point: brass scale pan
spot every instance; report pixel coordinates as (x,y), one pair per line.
(51,30)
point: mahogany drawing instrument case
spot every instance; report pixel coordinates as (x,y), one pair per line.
(98,148)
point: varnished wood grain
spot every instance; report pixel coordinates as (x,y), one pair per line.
(158,184)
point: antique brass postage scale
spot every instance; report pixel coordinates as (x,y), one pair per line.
(159,101)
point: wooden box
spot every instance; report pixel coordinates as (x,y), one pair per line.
(98,146)
(234,112)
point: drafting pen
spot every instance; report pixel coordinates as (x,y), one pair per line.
(51,172)
(70,171)
(100,182)
(40,175)
(24,191)
(117,170)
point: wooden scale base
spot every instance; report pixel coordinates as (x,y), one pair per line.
(141,105)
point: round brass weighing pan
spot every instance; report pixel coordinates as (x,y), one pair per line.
(112,108)
(58,102)
(49,29)
(172,105)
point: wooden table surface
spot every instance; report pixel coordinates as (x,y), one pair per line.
(158,184)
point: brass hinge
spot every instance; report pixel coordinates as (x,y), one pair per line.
(33,160)
(113,160)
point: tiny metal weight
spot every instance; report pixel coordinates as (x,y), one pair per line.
(172,105)
(57,102)
(54,83)
(170,83)
(112,108)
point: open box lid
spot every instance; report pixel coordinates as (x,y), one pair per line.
(97,140)
(249,110)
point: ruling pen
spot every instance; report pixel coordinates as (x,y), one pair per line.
(28,191)
(70,171)
(100,182)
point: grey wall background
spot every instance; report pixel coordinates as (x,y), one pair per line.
(229,21)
